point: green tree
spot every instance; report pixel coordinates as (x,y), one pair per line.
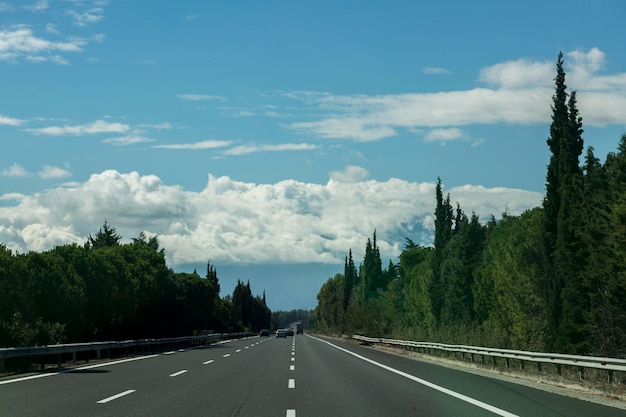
(562,222)
(516,315)
(443,233)
(106,236)
(371,270)
(350,279)
(329,313)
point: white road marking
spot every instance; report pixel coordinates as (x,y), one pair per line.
(292,367)
(115,397)
(293,359)
(82,368)
(179,372)
(293,353)
(171,352)
(447,391)
(291,413)
(292,383)
(227,355)
(208,362)
(238,350)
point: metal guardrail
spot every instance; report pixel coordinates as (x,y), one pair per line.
(106,348)
(610,365)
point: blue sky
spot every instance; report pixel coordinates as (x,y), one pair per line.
(271,137)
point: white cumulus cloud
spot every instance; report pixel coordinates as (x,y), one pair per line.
(237,222)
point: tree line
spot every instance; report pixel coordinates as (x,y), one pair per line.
(106,290)
(550,279)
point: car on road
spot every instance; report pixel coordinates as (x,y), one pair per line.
(290,332)
(281,333)
(264,332)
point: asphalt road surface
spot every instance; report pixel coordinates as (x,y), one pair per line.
(297,376)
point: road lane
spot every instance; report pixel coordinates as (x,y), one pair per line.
(365,388)
(300,376)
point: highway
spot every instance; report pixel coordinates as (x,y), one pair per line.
(297,376)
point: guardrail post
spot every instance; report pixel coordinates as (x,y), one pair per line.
(506,363)
(538,366)
(581,373)
(610,376)
(74,357)
(2,369)
(521,364)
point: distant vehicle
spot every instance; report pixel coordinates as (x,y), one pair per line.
(281,333)
(290,332)
(264,332)
(297,327)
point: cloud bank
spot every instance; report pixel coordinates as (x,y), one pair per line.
(515,92)
(233,222)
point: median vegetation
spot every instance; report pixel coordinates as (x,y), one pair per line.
(550,279)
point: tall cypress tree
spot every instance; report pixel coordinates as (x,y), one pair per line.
(552,199)
(350,279)
(562,205)
(443,232)
(372,269)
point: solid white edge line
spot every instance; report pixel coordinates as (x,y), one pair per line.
(179,372)
(454,394)
(116,396)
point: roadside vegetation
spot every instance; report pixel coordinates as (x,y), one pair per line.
(550,279)
(105,290)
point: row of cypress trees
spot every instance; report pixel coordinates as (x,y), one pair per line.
(551,279)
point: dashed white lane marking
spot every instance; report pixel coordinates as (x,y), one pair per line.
(291,413)
(238,350)
(227,355)
(293,353)
(208,362)
(292,383)
(116,396)
(179,372)
(449,392)
(293,359)
(292,367)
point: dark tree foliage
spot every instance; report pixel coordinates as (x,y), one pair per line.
(350,279)
(371,270)
(106,290)
(107,236)
(443,233)
(250,313)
